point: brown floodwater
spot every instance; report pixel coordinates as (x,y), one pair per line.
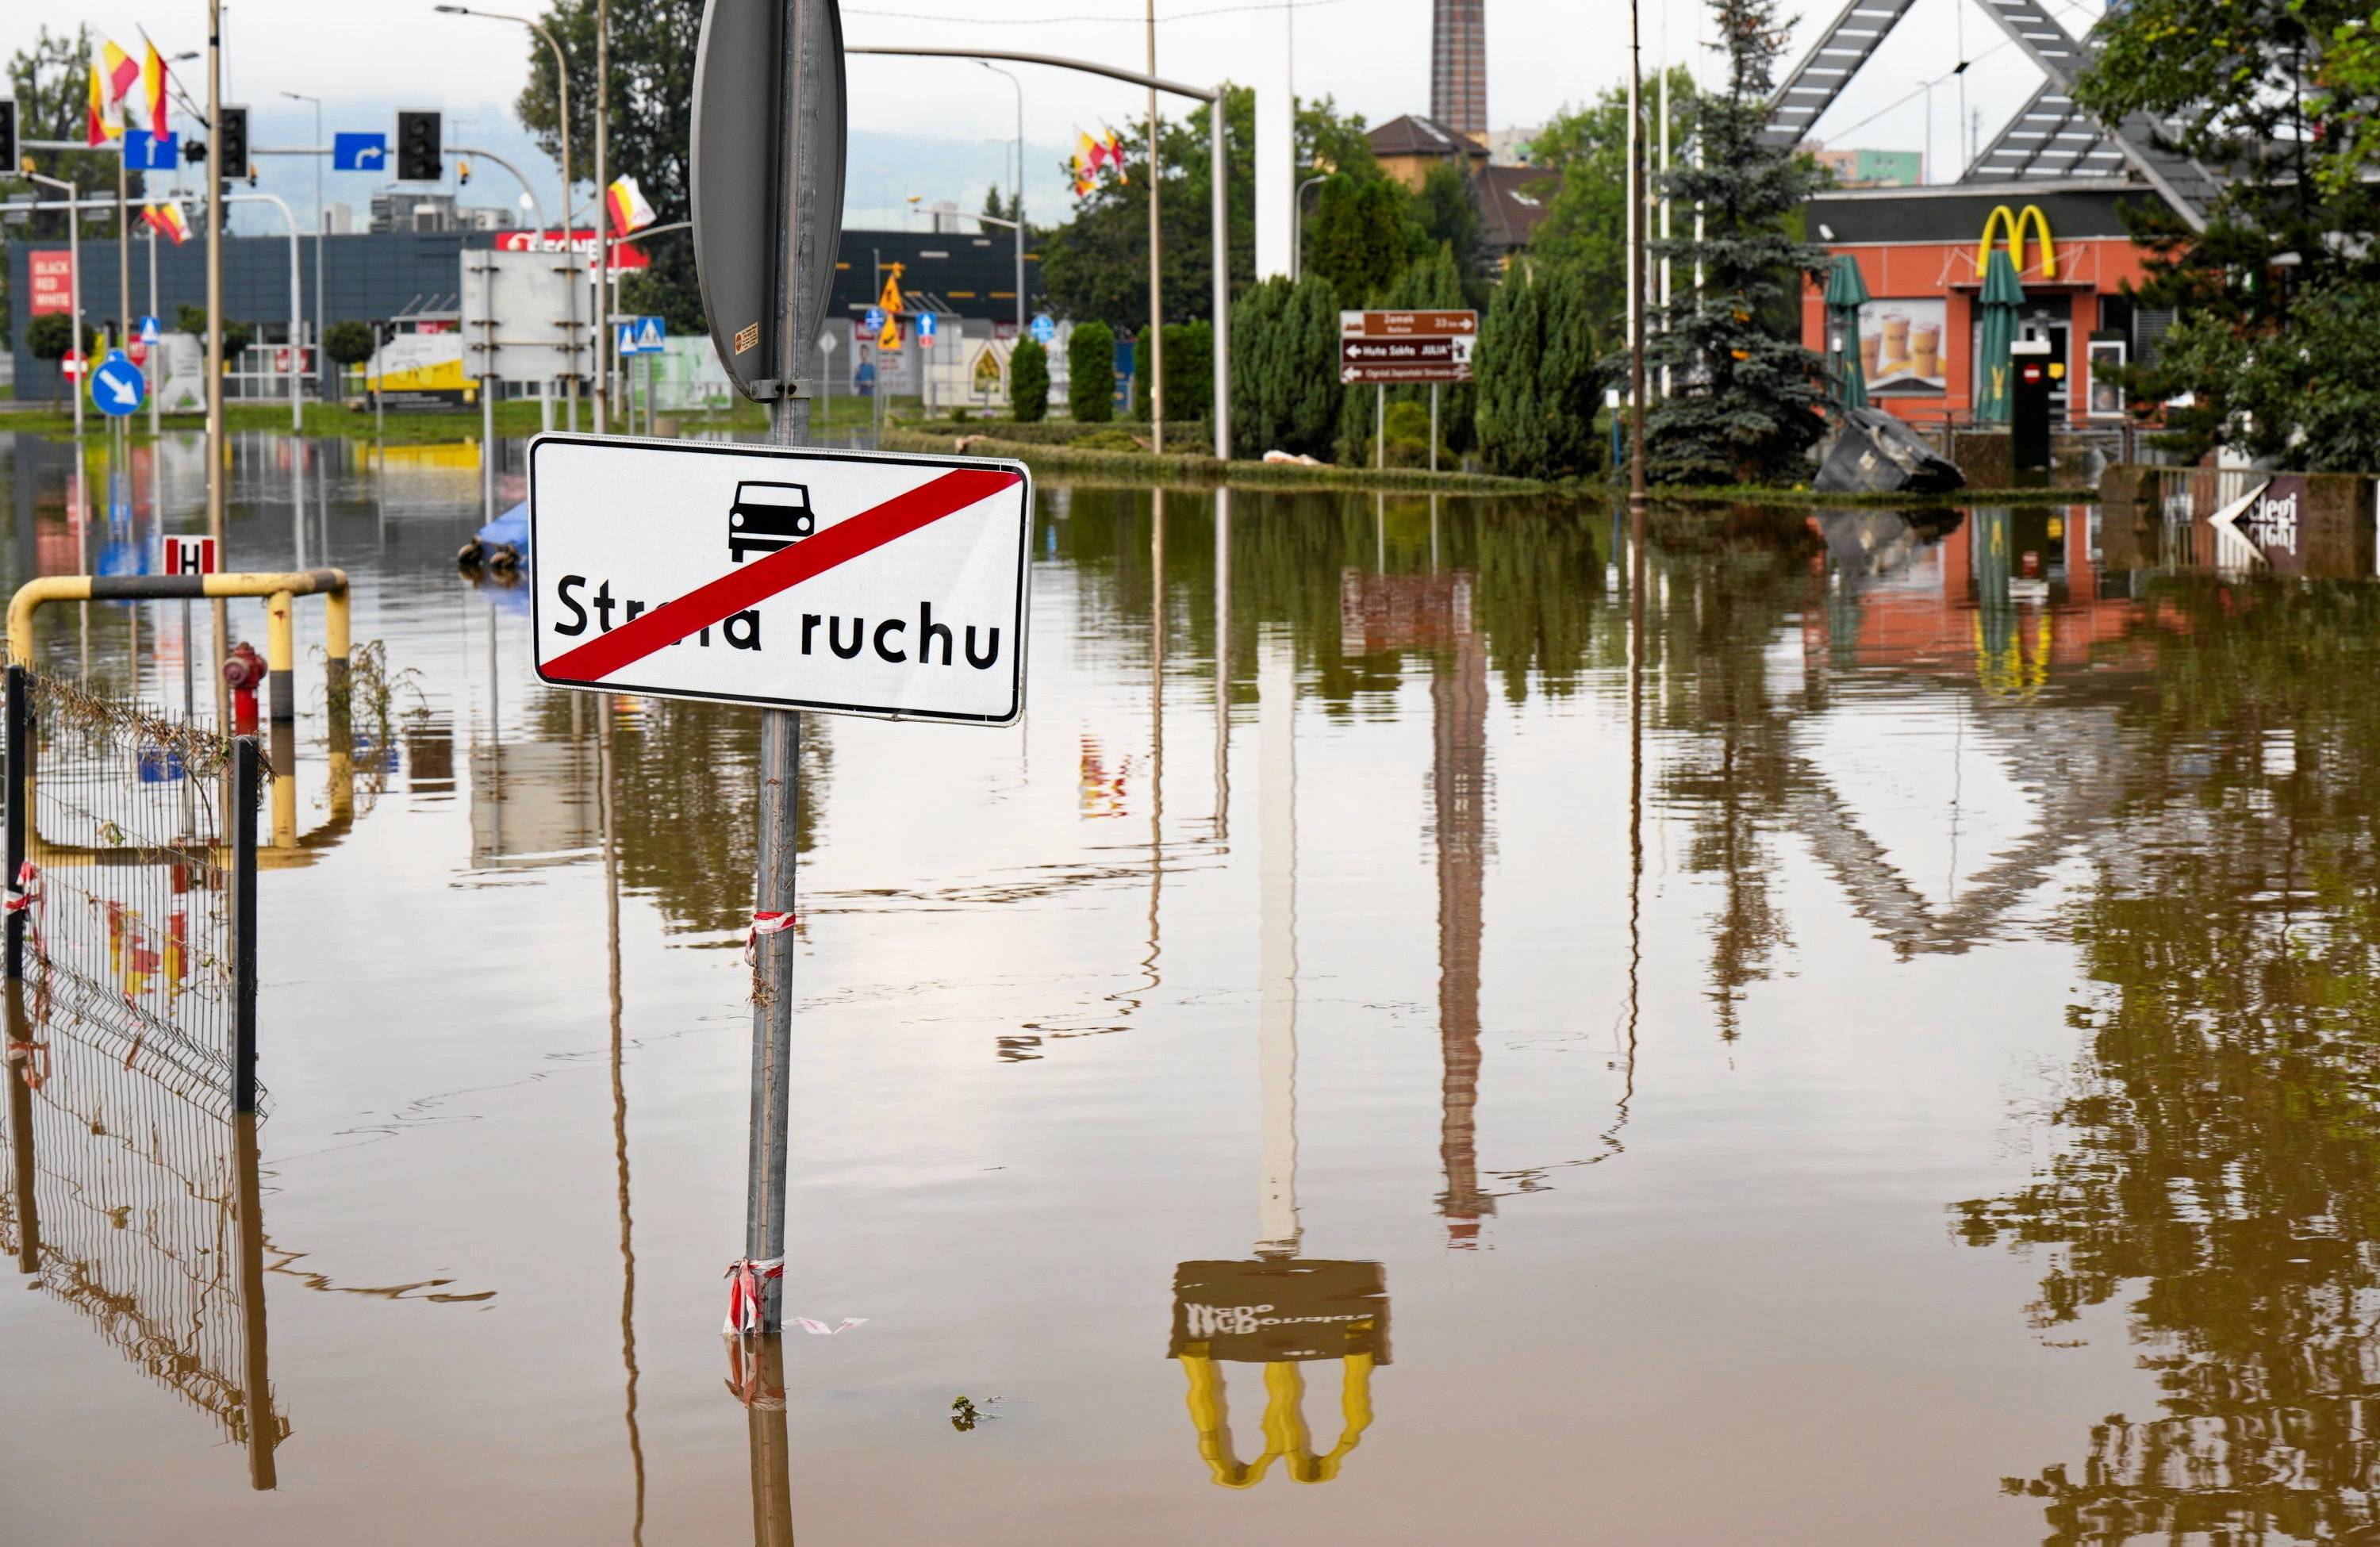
(1437,1026)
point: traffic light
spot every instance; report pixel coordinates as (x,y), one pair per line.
(230,153)
(7,133)
(419,139)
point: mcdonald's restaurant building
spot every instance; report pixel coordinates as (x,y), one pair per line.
(1921,252)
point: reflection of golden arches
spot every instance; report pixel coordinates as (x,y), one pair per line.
(1284,1421)
(2014,224)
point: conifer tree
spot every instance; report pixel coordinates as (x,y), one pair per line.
(1745,394)
(1538,379)
(1028,382)
(1090,373)
(1285,367)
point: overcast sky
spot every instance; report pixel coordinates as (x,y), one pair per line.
(1373,55)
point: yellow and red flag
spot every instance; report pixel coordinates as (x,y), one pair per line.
(628,209)
(153,89)
(167,221)
(1115,156)
(120,70)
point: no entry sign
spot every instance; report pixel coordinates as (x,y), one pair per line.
(854,584)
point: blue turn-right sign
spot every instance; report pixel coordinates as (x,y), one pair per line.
(359,152)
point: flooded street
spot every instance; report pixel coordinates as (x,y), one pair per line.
(1865,1035)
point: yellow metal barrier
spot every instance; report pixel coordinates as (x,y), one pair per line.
(280,589)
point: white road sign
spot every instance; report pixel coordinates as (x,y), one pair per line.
(850,583)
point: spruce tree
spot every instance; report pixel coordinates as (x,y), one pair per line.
(1437,283)
(1746,395)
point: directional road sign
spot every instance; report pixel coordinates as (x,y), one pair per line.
(1391,346)
(359,152)
(641,336)
(144,151)
(925,329)
(117,384)
(1044,329)
(189,556)
(850,583)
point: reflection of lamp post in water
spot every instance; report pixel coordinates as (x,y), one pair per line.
(1279,1310)
(608,811)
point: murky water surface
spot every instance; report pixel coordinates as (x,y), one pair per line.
(1863,1035)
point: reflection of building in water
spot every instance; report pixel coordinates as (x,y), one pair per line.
(135,1202)
(532,803)
(1279,1312)
(1433,613)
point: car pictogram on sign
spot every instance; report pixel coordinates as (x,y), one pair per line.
(767,517)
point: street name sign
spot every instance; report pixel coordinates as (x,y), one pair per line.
(1389,347)
(848,583)
(752,142)
(117,386)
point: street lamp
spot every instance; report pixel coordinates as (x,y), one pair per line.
(321,223)
(74,267)
(1297,224)
(1019,222)
(569,225)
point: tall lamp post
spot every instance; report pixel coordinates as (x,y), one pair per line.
(569,226)
(1297,224)
(322,221)
(1018,224)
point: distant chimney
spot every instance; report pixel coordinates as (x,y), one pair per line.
(1458,65)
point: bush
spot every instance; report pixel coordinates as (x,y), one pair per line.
(1090,369)
(1285,387)
(1108,440)
(347,343)
(236,336)
(1028,382)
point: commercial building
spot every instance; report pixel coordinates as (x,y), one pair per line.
(2051,188)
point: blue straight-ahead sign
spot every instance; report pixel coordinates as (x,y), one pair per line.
(144,151)
(359,152)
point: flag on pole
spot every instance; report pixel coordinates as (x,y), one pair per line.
(105,120)
(629,211)
(121,71)
(1086,163)
(153,89)
(167,221)
(1115,156)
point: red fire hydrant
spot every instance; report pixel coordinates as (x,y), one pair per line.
(243,674)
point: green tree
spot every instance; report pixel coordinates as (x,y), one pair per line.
(1436,282)
(51,334)
(1746,402)
(1090,373)
(1285,367)
(1003,206)
(192,320)
(1028,382)
(347,343)
(1189,372)
(651,129)
(1446,221)
(1584,153)
(51,81)
(1358,238)
(2278,93)
(1538,380)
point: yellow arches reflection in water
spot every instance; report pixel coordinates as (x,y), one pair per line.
(1284,1421)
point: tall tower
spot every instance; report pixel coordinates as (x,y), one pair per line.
(1458,65)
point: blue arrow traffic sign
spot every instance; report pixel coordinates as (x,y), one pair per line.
(144,151)
(1044,329)
(359,152)
(925,329)
(117,385)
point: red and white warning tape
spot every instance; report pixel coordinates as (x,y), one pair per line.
(27,889)
(764,923)
(744,1277)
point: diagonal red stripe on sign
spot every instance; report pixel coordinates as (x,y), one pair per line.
(754,583)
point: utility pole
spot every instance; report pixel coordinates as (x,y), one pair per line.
(322,360)
(1156,303)
(1019,210)
(603,216)
(215,443)
(1636,274)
